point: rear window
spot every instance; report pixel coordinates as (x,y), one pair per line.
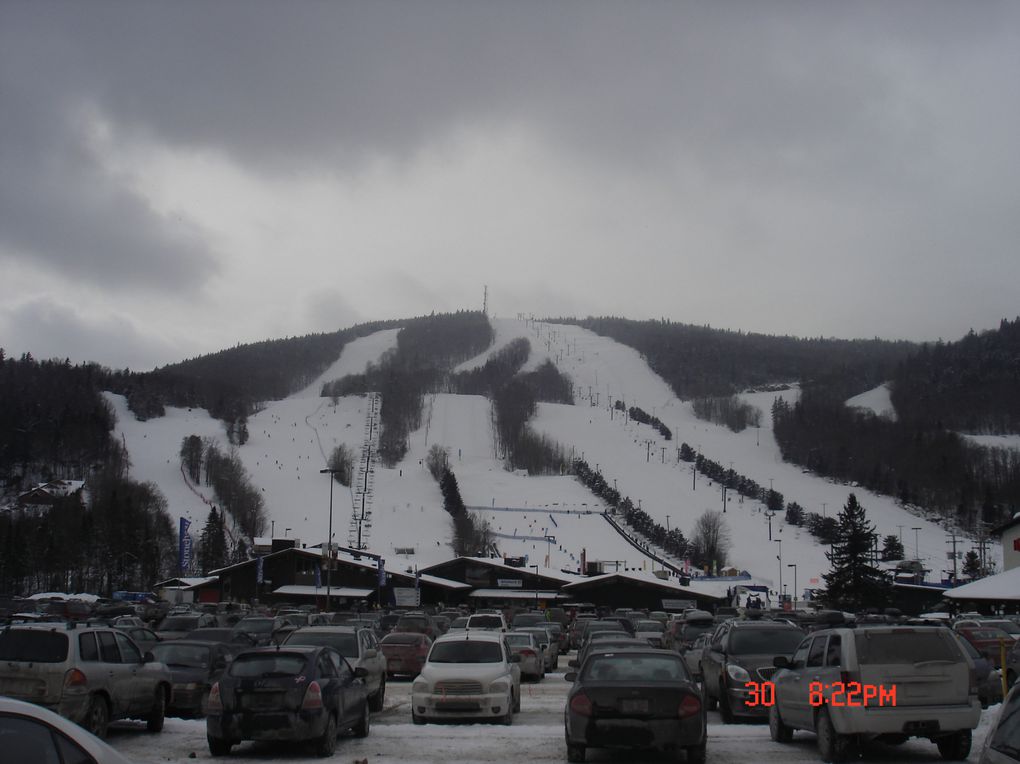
(412,622)
(267,665)
(764,641)
(191,656)
(485,622)
(345,644)
(649,626)
(654,668)
(905,647)
(179,623)
(401,639)
(465,651)
(32,646)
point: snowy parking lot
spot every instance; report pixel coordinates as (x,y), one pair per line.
(536,736)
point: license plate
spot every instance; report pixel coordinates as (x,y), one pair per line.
(634,706)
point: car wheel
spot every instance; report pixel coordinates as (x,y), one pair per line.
(364,725)
(97,718)
(696,754)
(154,721)
(955,747)
(517,704)
(376,701)
(832,746)
(326,745)
(575,752)
(780,732)
(218,746)
(415,719)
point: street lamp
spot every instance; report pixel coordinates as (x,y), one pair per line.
(917,553)
(794,566)
(536,584)
(780,558)
(329,540)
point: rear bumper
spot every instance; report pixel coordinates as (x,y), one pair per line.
(267,725)
(485,706)
(631,733)
(921,721)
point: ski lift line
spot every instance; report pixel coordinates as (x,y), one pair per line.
(536,510)
(641,549)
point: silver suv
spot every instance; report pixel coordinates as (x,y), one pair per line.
(885,682)
(90,675)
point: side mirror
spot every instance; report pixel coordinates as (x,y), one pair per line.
(570,676)
(781,662)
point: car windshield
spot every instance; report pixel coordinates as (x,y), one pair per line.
(415,622)
(401,639)
(764,641)
(904,647)
(192,656)
(465,651)
(345,644)
(32,646)
(267,665)
(988,634)
(519,640)
(649,626)
(255,625)
(692,631)
(611,667)
(528,619)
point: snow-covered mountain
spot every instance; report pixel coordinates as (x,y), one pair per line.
(549,519)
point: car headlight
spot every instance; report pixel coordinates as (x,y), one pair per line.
(420,686)
(738,673)
(500,687)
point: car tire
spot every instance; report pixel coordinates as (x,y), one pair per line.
(154,721)
(575,753)
(364,725)
(415,719)
(376,701)
(779,732)
(517,704)
(696,753)
(219,746)
(326,745)
(955,747)
(832,746)
(97,717)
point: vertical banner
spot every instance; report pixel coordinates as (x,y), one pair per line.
(381,579)
(183,547)
(258,570)
(318,577)
(417,587)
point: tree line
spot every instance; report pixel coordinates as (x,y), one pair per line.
(643,417)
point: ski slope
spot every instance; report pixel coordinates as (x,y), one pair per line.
(551,519)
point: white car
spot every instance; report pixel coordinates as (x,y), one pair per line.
(33,733)
(468,675)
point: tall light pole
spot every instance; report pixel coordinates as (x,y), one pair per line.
(794,566)
(329,540)
(780,558)
(917,553)
(667,523)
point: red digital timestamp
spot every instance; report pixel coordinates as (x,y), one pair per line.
(836,694)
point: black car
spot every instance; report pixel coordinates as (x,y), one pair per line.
(195,667)
(635,699)
(305,694)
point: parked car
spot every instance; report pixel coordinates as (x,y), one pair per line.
(458,624)
(649,630)
(417,623)
(405,653)
(1002,743)
(90,675)
(741,652)
(487,622)
(989,680)
(361,649)
(265,630)
(884,682)
(179,625)
(989,641)
(31,733)
(635,698)
(603,641)
(549,644)
(469,675)
(194,667)
(297,693)
(144,637)
(529,619)
(532,661)
(1008,625)
(682,632)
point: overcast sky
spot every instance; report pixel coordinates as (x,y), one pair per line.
(179,177)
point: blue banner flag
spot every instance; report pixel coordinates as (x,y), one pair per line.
(183,547)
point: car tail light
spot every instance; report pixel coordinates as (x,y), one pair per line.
(423,649)
(75,678)
(581,704)
(313,697)
(214,704)
(689,706)
(529,653)
(972,681)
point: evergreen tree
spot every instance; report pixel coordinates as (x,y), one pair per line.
(972,565)
(854,583)
(212,544)
(892,548)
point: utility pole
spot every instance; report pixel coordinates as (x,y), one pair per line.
(724,499)
(917,548)
(952,540)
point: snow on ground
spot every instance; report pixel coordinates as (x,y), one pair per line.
(291,439)
(536,736)
(877,400)
(995,441)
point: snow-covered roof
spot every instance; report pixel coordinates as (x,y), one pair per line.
(297,590)
(1002,586)
(83,596)
(516,594)
(533,570)
(714,589)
